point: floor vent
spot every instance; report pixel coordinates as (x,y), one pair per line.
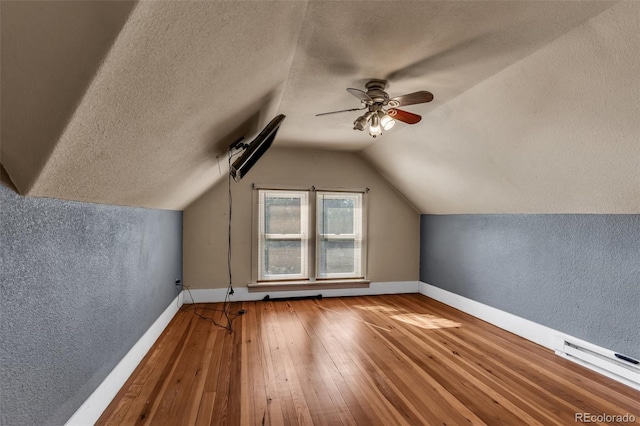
(599,359)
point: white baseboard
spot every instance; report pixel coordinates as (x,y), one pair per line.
(91,410)
(530,330)
(537,333)
(242,294)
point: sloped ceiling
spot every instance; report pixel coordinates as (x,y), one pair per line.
(535,109)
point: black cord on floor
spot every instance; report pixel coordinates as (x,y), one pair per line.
(225,311)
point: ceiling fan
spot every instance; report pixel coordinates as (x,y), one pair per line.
(382,111)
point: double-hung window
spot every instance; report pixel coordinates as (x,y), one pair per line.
(310,235)
(339,235)
(283,226)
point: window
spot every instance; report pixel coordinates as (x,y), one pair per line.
(310,235)
(283,244)
(339,235)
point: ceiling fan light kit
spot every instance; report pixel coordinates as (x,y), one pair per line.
(382,111)
(374,127)
(386,121)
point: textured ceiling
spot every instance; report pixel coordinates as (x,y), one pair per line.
(557,132)
(535,109)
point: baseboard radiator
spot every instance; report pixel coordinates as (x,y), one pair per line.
(626,369)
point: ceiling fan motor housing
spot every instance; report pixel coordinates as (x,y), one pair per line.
(375,90)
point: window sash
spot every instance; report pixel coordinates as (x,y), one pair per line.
(355,236)
(338,236)
(264,238)
(283,236)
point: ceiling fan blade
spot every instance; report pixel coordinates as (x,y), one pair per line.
(404,116)
(420,97)
(360,95)
(342,110)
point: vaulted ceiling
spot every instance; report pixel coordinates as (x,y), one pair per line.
(536,109)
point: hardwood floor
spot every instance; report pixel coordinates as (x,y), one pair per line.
(381,360)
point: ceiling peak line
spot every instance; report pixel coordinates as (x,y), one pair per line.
(283,92)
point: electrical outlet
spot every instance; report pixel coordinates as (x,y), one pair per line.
(178,282)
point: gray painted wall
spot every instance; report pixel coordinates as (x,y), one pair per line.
(80,283)
(579,274)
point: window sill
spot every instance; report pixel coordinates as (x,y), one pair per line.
(308,285)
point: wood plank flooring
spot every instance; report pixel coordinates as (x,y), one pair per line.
(379,360)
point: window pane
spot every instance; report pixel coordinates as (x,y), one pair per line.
(337,257)
(283,257)
(282,215)
(337,215)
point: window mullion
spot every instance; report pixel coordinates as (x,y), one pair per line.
(313,238)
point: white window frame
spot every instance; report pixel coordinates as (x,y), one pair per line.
(263,237)
(356,236)
(309,254)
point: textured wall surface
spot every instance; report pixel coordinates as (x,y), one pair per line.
(579,274)
(80,285)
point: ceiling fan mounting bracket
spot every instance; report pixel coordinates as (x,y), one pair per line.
(376,84)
